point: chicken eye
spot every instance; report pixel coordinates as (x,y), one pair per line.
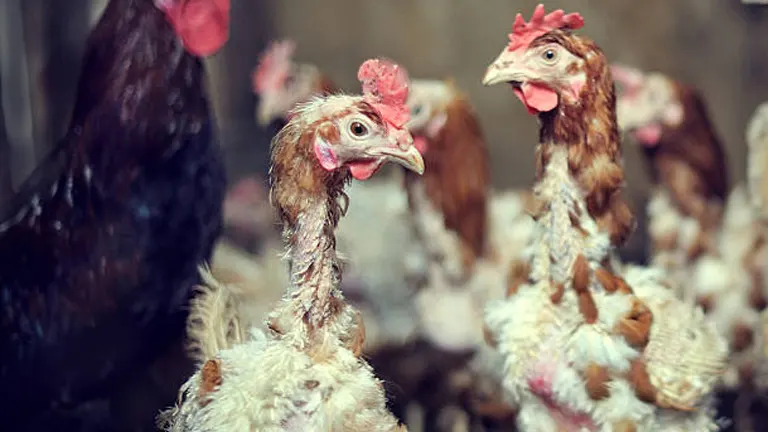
(416,110)
(358,129)
(549,55)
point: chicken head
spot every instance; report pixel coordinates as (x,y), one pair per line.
(427,103)
(645,103)
(362,132)
(542,61)
(282,83)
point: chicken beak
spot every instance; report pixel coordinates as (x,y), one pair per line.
(502,70)
(410,158)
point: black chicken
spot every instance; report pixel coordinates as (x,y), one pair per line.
(99,250)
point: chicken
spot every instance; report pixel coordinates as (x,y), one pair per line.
(471,234)
(282,83)
(730,288)
(99,251)
(306,372)
(687,161)
(385,263)
(588,348)
(709,249)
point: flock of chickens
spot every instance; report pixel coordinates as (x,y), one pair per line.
(461,308)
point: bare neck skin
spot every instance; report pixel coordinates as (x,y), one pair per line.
(307,198)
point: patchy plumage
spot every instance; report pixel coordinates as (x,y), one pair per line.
(469,232)
(385,262)
(686,161)
(584,343)
(305,372)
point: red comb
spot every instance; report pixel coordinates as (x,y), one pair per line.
(385,86)
(273,67)
(523,33)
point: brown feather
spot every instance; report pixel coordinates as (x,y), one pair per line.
(690,162)
(296,177)
(457,179)
(590,132)
(695,143)
(325,86)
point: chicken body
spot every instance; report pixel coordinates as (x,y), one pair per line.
(470,233)
(306,373)
(589,347)
(686,161)
(711,249)
(99,251)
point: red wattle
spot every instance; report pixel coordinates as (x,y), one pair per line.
(537,98)
(363,170)
(648,135)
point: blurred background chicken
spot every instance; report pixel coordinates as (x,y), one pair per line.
(685,159)
(716,256)
(281,83)
(712,248)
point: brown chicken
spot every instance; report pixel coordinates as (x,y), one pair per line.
(383,268)
(685,158)
(99,250)
(306,373)
(448,134)
(469,231)
(579,330)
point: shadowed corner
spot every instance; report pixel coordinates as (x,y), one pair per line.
(246,144)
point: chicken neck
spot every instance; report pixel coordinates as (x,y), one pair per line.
(308,202)
(578,180)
